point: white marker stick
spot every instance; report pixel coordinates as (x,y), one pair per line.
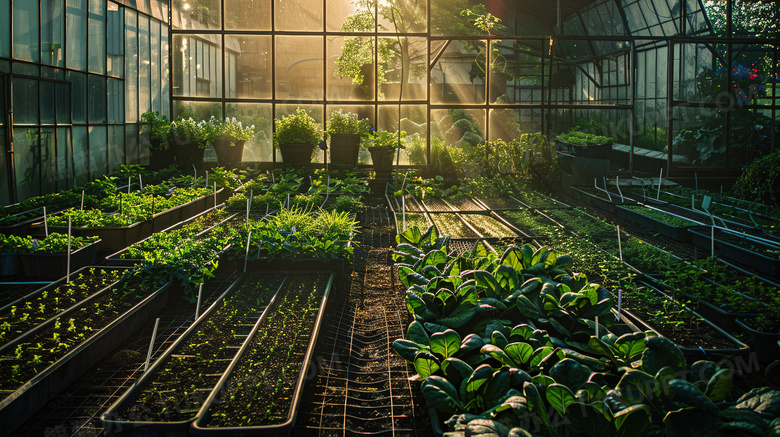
(151,344)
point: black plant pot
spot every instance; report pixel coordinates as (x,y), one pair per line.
(764,343)
(382,157)
(296,155)
(189,154)
(229,155)
(344,150)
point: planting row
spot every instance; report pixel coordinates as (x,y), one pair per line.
(511,345)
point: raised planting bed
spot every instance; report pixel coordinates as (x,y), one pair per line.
(260,391)
(489,227)
(452,226)
(735,248)
(526,221)
(35,310)
(433,204)
(766,344)
(599,199)
(667,225)
(167,397)
(171,237)
(538,200)
(55,265)
(500,203)
(36,370)
(650,309)
(464,204)
(10,264)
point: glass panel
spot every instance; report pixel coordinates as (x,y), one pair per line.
(97,152)
(48,161)
(5,194)
(349,16)
(248,14)
(413,121)
(5,40)
(509,124)
(164,74)
(259,148)
(52,32)
(116,98)
(299,68)
(196,14)
(27,160)
(402,16)
(404,60)
(25,97)
(78,90)
(63,105)
(131,67)
(115,46)
(76,34)
(515,74)
(315,111)
(116,148)
(458,126)
(197,65)
(25,28)
(132,146)
(458,75)
(97,36)
(97,99)
(144,66)
(197,110)
(64,162)
(699,137)
(700,73)
(298,15)
(446,18)
(46,93)
(351,68)
(249,61)
(155,65)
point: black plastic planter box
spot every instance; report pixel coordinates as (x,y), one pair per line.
(766,344)
(599,199)
(198,427)
(769,266)
(23,228)
(676,233)
(19,405)
(138,428)
(55,265)
(10,264)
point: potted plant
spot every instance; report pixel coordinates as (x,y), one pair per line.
(159,139)
(296,135)
(345,131)
(382,145)
(585,144)
(189,141)
(228,138)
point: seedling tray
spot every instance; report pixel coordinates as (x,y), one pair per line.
(17,406)
(112,420)
(226,383)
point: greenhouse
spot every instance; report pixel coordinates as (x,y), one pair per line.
(390,218)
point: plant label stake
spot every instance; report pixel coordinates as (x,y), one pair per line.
(151,344)
(696,179)
(327,193)
(207,179)
(259,248)
(403,210)
(45,223)
(140,182)
(82,200)
(215,194)
(597,326)
(248,206)
(620,301)
(197,305)
(660,179)
(287,202)
(620,245)
(712,241)
(693,201)
(196,172)
(246,256)
(67,276)
(128,184)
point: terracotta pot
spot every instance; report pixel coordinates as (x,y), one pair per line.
(229,155)
(382,157)
(344,150)
(296,154)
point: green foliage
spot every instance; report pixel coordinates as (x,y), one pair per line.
(759,180)
(390,140)
(297,128)
(347,123)
(160,129)
(229,129)
(188,131)
(579,138)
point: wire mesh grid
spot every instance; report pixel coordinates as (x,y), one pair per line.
(75,410)
(362,387)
